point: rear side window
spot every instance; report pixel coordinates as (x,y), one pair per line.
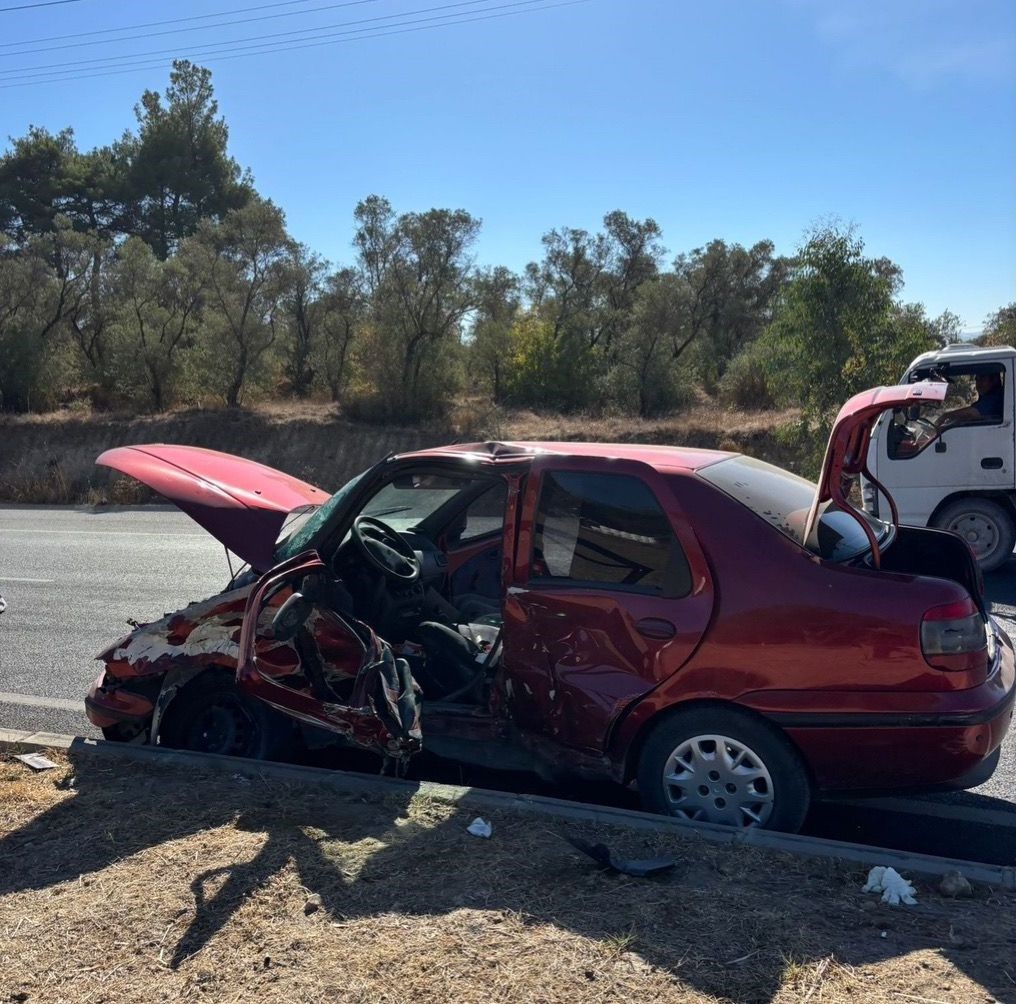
(783,500)
(607,531)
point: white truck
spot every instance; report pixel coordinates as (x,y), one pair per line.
(951,465)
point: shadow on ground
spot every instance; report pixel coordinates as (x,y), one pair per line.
(726,921)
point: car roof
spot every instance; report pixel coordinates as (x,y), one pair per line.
(662,458)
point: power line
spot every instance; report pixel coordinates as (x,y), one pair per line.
(200,27)
(46,69)
(151,24)
(290,47)
(29,6)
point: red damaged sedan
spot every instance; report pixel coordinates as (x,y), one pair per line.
(730,638)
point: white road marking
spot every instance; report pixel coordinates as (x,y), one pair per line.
(109,533)
(7,578)
(31,701)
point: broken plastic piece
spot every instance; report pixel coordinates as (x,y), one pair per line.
(36,761)
(480,828)
(606,858)
(894,887)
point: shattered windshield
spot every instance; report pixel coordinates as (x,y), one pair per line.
(300,529)
(783,500)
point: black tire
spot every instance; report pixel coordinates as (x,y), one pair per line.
(779,797)
(985,525)
(122,732)
(211,715)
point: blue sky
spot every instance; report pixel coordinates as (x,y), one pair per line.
(739,120)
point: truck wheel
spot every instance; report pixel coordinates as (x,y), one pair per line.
(210,715)
(720,765)
(986,527)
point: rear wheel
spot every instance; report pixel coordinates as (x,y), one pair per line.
(723,766)
(986,526)
(211,715)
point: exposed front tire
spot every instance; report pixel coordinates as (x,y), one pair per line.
(986,526)
(211,715)
(722,765)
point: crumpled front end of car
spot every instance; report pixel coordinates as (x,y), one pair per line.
(202,635)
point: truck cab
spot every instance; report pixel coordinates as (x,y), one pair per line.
(951,464)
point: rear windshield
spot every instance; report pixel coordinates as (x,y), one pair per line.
(783,499)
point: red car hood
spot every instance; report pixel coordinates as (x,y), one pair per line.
(241,503)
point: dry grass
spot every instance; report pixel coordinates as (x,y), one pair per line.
(50,458)
(147,885)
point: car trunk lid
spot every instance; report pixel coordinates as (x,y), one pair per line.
(242,503)
(847,452)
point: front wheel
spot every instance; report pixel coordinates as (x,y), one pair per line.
(211,715)
(723,766)
(986,526)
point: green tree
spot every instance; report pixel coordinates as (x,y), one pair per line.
(244,263)
(730,292)
(157,310)
(302,309)
(342,311)
(646,357)
(1000,327)
(585,287)
(837,327)
(418,274)
(26,287)
(498,301)
(44,177)
(180,170)
(35,183)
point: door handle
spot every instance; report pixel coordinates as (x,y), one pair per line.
(991,463)
(655,627)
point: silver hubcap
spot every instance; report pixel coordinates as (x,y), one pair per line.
(717,779)
(978,531)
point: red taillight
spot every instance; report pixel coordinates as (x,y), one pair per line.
(954,637)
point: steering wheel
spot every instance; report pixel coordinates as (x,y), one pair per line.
(386,549)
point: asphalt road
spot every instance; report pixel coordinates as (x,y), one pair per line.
(73,577)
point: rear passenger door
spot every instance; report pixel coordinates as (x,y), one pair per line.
(610,594)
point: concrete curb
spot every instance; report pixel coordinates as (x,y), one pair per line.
(15,740)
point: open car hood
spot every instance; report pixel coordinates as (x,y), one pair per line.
(241,503)
(847,453)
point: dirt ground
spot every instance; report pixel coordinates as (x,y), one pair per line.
(121,883)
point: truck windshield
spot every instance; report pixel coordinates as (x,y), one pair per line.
(783,499)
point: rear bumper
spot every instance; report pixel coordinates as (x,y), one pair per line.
(923,749)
